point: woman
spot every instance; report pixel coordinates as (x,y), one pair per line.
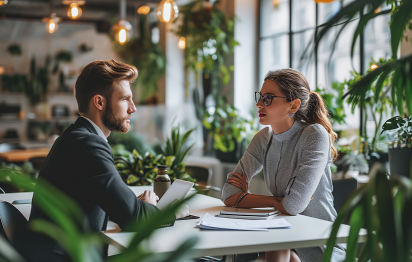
(295,155)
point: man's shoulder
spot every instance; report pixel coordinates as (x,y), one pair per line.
(79,134)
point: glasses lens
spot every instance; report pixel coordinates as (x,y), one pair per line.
(257,97)
(267,100)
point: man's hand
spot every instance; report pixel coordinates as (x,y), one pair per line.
(149,197)
(239,181)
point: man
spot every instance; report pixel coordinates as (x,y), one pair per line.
(80,163)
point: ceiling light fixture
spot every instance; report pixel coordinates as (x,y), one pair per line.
(166,11)
(182,43)
(123,27)
(52,23)
(74,11)
(143,10)
(3,2)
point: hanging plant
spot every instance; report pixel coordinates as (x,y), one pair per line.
(64,56)
(83,48)
(14,49)
(209,35)
(146,56)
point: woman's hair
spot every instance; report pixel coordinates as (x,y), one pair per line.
(100,77)
(294,85)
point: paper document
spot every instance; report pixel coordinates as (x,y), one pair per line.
(219,223)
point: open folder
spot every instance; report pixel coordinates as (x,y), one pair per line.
(219,223)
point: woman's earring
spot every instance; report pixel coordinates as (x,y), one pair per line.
(291,115)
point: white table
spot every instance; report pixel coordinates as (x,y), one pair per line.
(306,231)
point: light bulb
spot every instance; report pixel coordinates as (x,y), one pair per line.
(122,31)
(3,2)
(143,10)
(182,43)
(167,10)
(74,11)
(374,66)
(51,26)
(122,36)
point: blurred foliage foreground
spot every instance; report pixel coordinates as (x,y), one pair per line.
(66,227)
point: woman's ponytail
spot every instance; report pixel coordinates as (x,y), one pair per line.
(317,113)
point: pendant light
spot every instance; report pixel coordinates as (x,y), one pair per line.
(182,43)
(166,11)
(123,27)
(52,23)
(143,10)
(74,11)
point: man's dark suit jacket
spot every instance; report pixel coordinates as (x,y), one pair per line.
(81,165)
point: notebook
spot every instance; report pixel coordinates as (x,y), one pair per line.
(247,217)
(248,211)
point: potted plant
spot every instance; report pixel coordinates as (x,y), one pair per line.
(400,152)
(229,130)
(175,151)
(137,170)
(377,106)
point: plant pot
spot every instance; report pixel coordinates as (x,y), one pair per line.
(235,155)
(400,161)
(383,159)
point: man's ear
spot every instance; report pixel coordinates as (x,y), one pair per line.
(295,105)
(98,102)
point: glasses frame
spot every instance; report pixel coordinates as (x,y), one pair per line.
(265,98)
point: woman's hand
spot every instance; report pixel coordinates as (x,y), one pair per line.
(239,181)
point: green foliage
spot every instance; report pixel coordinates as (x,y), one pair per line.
(26,170)
(175,151)
(14,83)
(227,127)
(383,208)
(137,170)
(14,49)
(334,102)
(376,103)
(399,69)
(67,228)
(64,56)
(354,161)
(147,57)
(401,128)
(83,48)
(129,141)
(209,37)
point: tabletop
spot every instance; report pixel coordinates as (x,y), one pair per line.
(22,155)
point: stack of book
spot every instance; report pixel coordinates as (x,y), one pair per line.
(248,213)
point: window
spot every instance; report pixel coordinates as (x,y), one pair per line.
(287,28)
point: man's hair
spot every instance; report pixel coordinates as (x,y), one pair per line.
(99,77)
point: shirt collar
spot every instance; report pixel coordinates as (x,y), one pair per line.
(98,130)
(287,135)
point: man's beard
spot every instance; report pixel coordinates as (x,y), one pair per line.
(114,123)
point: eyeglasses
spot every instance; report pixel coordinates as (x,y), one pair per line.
(267,99)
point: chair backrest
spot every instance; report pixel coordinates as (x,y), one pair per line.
(342,189)
(200,173)
(12,222)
